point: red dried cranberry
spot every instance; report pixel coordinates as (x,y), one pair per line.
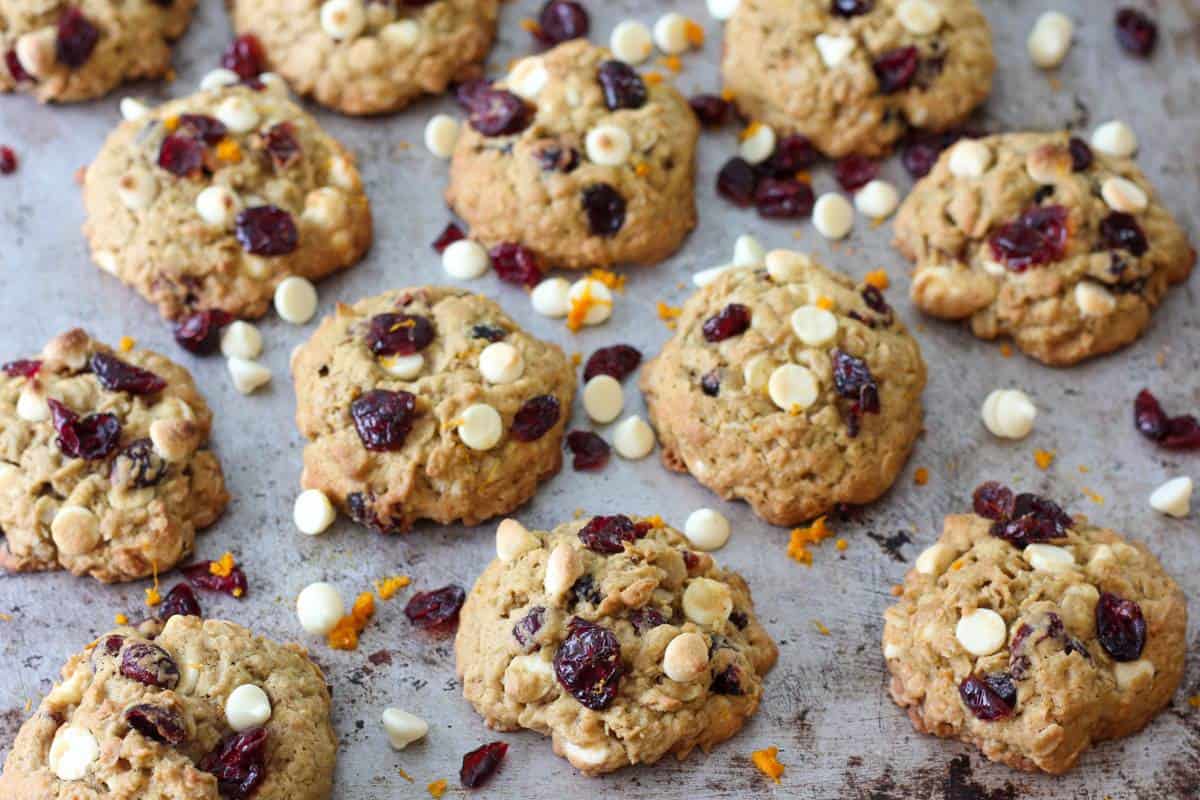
(854,172)
(561,21)
(555,158)
(1120,231)
(588,664)
(138,465)
(14,67)
(449,235)
(1039,236)
(792,154)
(266,231)
(1174,433)
(535,417)
(605,209)
(361,511)
(399,334)
(732,320)
(622,86)
(200,331)
(526,629)
(91,438)
(711,109)
(467,92)
(1120,627)
(76,38)
(437,608)
(515,263)
(22,368)
(646,619)
(590,451)
(1033,519)
(994,501)
(8,160)
(739,619)
(181,155)
(1136,32)
(875,300)
(921,152)
(853,380)
(180,601)
(383,418)
(608,534)
(245,56)
(584,589)
(149,664)
(783,198)
(896,69)
(1081,154)
(737,182)
(157,723)
(119,376)
(989,698)
(480,764)
(201,576)
(619,361)
(728,681)
(209,130)
(239,763)
(491,333)
(497,112)
(110,645)
(281,144)
(850,8)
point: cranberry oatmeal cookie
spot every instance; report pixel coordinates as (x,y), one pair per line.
(854,75)
(615,639)
(104,466)
(1033,635)
(210,201)
(370,57)
(788,387)
(1038,237)
(575,156)
(65,51)
(203,710)
(429,403)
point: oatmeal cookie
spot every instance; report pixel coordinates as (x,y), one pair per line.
(104,466)
(210,201)
(205,710)
(1038,237)
(613,638)
(429,403)
(577,157)
(788,387)
(1033,635)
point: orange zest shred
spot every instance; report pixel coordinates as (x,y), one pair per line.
(576,358)
(388,587)
(815,533)
(153,598)
(749,130)
(841,544)
(641,169)
(803,176)
(672,63)
(610,279)
(1084,469)
(921,476)
(957,565)
(878,278)
(171,124)
(667,313)
(223,566)
(654,521)
(1095,497)
(5,617)
(121,619)
(580,306)
(653,78)
(1006,350)
(404,775)
(767,762)
(821,629)
(896,590)
(437,788)
(1194,701)
(531,26)
(127,344)
(825,303)
(1043,458)
(229,151)
(695,33)
(727,95)
(344,635)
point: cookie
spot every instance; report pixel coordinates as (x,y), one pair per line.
(855,75)
(1038,237)
(104,465)
(1032,635)
(62,52)
(577,157)
(429,403)
(788,387)
(364,57)
(204,710)
(615,639)
(210,201)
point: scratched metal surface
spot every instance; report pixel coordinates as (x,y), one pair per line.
(825,704)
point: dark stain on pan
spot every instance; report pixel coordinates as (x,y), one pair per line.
(955,781)
(892,544)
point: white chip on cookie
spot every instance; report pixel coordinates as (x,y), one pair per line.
(919,17)
(133,109)
(686,657)
(792,387)
(814,326)
(834,49)
(500,362)
(706,602)
(217,206)
(247,707)
(1122,194)
(237,114)
(981,632)
(137,189)
(608,145)
(403,367)
(1093,299)
(1049,557)
(72,752)
(970,158)
(513,540)
(528,77)
(480,426)
(218,78)
(563,568)
(343,19)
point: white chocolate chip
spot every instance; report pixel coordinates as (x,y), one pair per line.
(296,300)
(217,79)
(403,728)
(919,17)
(1122,194)
(1009,413)
(706,602)
(528,678)
(247,375)
(173,439)
(970,158)
(706,276)
(465,260)
(1094,300)
(403,367)
(785,266)
(891,651)
(722,9)
(319,607)
(833,216)
(792,387)
(402,34)
(707,529)
(514,540)
(241,339)
(343,19)
(686,657)
(981,632)
(247,707)
(1049,558)
(934,559)
(137,189)
(756,372)
(1115,138)
(834,49)
(600,309)
(633,439)
(1050,39)
(563,568)
(72,752)
(759,145)
(237,114)
(312,512)
(133,109)
(1173,498)
(37,51)
(75,530)
(747,252)
(549,297)
(528,77)
(218,206)
(325,207)
(814,325)
(1101,558)
(608,145)
(603,398)
(441,134)
(631,42)
(480,427)
(1133,675)
(500,362)
(671,33)
(877,200)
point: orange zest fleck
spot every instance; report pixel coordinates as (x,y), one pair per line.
(437,788)
(531,26)
(404,775)
(1194,701)
(653,78)
(580,306)
(229,151)
(672,63)
(896,590)
(921,476)
(121,619)
(641,169)
(344,635)
(388,587)
(171,124)
(1043,458)
(1083,468)
(223,566)
(153,598)
(695,33)
(957,565)
(749,130)
(5,617)
(878,278)
(654,521)
(127,344)
(768,763)
(821,629)
(803,176)
(825,303)
(727,95)
(610,279)
(1006,350)
(576,358)
(815,533)
(841,544)
(1095,497)
(667,313)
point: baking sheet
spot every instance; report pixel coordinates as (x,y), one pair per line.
(825,705)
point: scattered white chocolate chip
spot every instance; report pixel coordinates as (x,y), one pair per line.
(242,340)
(814,325)
(707,602)
(563,568)
(133,109)
(247,707)
(549,298)
(608,145)
(75,530)
(981,632)
(312,512)
(403,367)
(247,375)
(402,34)
(633,438)
(833,49)
(1049,558)
(1122,194)
(528,77)
(970,158)
(237,114)
(934,559)
(216,79)
(1133,674)
(686,657)
(1050,39)
(1093,299)
(1115,138)
(600,307)
(500,362)
(786,265)
(480,426)
(343,19)
(296,300)
(833,216)
(747,252)
(631,42)
(319,607)
(32,405)
(513,540)
(465,260)
(403,728)
(756,372)
(706,276)
(707,529)
(217,206)
(759,144)
(72,752)
(919,17)
(792,387)
(603,398)
(877,200)
(722,9)
(1009,413)
(1173,498)
(671,33)
(441,134)
(137,189)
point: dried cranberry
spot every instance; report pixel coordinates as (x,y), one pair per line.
(989,698)
(646,619)
(1120,627)
(399,334)
(783,198)
(209,130)
(8,160)
(1081,154)
(181,155)
(21,368)
(854,172)
(555,158)
(922,152)
(200,331)
(266,231)
(281,144)
(119,376)
(732,320)
(480,764)
(622,86)
(157,723)
(793,153)
(1121,231)
(91,438)
(361,512)
(497,112)
(584,589)
(1174,433)
(619,361)
(737,182)
(994,501)
(180,601)
(1038,236)
(605,209)
(437,608)
(896,69)
(138,465)
(110,645)
(561,21)
(245,56)
(469,92)
(850,8)
(449,235)
(76,38)
(14,67)
(1033,519)
(728,681)
(239,763)
(875,300)
(149,664)
(1136,32)
(739,619)
(526,629)
(710,383)
(492,333)
(853,380)
(538,415)
(201,576)
(588,664)
(590,450)
(608,534)
(711,109)
(383,418)
(516,263)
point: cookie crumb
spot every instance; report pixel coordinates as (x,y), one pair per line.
(896,590)
(767,763)
(653,78)
(1044,458)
